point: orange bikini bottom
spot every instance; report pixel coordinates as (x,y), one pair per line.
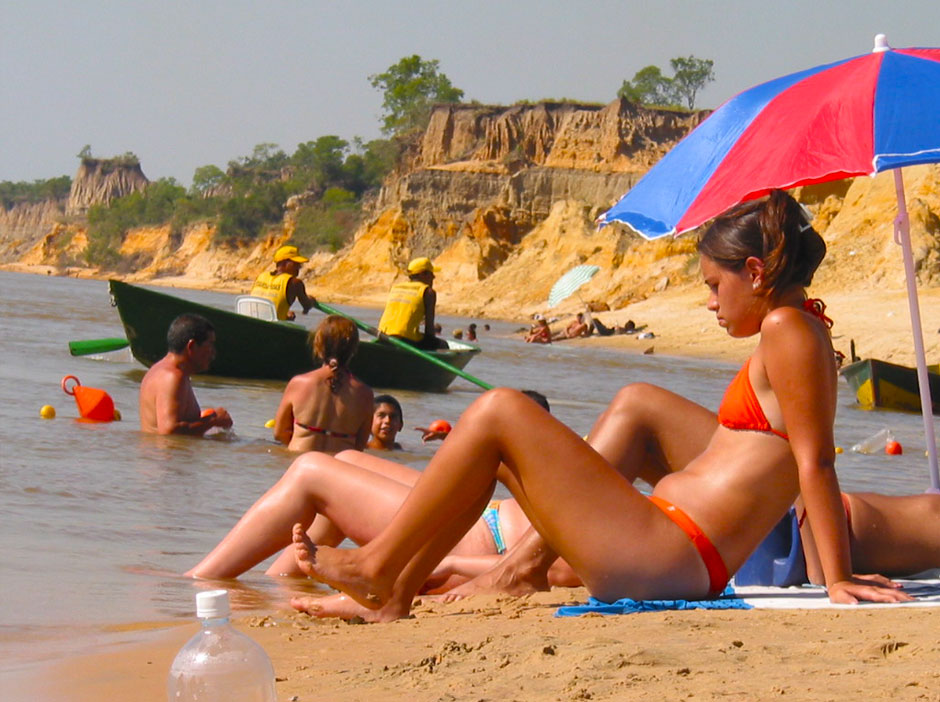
(715,565)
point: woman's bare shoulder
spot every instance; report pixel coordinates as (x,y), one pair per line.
(360,388)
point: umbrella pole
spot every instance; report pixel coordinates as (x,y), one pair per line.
(902,235)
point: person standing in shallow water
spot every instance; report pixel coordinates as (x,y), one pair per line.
(167,402)
(282,286)
(721,481)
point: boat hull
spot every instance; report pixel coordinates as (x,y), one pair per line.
(254,348)
(882,385)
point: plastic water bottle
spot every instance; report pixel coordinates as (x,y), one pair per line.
(220,664)
(875,443)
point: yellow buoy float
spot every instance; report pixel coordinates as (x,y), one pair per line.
(47,412)
(269,424)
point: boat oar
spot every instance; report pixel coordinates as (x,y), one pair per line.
(92,346)
(404,345)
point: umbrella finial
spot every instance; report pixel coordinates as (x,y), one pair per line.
(881,44)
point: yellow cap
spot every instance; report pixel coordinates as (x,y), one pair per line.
(420,265)
(289,252)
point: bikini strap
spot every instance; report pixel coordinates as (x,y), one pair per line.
(817,308)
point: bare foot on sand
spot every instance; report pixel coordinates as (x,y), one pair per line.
(503,578)
(344,607)
(338,568)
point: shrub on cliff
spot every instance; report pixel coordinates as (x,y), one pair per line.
(163,201)
(22,192)
(328,224)
(245,217)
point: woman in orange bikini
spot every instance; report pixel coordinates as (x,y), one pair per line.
(327,409)
(721,482)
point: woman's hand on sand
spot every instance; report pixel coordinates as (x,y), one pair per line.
(866,589)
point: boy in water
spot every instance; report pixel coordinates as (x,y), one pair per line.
(387,420)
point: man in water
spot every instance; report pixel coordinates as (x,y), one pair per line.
(282,286)
(167,402)
(410,303)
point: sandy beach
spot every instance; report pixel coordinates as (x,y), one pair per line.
(489,648)
(499,648)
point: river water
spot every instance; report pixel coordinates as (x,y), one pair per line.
(96,519)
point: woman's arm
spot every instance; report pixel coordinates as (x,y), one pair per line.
(799,364)
(284,419)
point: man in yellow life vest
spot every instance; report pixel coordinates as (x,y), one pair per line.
(409,304)
(282,286)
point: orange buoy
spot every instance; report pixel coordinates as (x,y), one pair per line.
(92,403)
(441,426)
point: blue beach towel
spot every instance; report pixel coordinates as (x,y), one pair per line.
(727,600)
(925,589)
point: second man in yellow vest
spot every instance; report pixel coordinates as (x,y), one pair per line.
(409,304)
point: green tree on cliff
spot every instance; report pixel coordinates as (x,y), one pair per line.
(690,75)
(410,88)
(206,179)
(650,87)
(322,159)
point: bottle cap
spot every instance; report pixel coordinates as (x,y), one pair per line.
(212,604)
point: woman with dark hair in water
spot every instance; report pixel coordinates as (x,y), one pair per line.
(327,409)
(721,481)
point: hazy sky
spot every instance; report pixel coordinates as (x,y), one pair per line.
(188,83)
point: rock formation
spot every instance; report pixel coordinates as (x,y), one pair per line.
(101,180)
(485,184)
(23,223)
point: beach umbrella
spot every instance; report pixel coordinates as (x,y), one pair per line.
(568,284)
(858,116)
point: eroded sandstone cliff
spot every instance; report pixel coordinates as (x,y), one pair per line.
(23,224)
(494,194)
(504,200)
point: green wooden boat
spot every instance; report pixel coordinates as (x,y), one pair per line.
(883,385)
(253,348)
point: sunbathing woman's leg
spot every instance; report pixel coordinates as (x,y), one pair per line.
(358,501)
(410,580)
(323,531)
(635,434)
(571,495)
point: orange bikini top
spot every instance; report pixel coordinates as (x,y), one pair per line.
(740,409)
